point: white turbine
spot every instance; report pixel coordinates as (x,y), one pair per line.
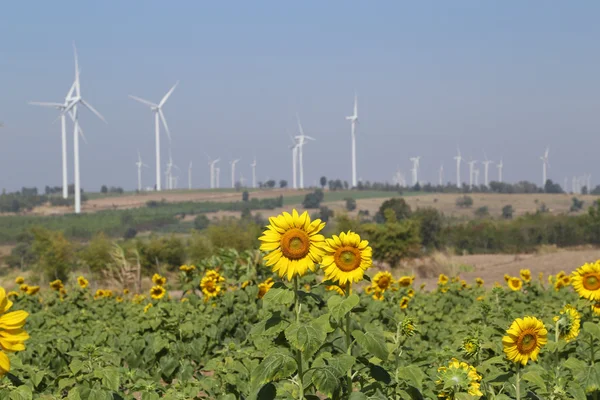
(471,167)
(441,177)
(158,114)
(500,165)
(233,171)
(253,165)
(486,166)
(73,101)
(302,140)
(294,148)
(476,177)
(139,165)
(217,177)
(61,107)
(458,159)
(353,121)
(545,166)
(169,172)
(211,164)
(190,176)
(415,169)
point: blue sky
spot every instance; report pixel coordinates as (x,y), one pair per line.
(505,77)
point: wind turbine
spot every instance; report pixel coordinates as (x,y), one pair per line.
(217,177)
(302,140)
(253,165)
(190,176)
(476,177)
(441,177)
(486,166)
(139,165)
(169,172)
(545,166)
(471,166)
(158,114)
(415,169)
(458,159)
(500,165)
(294,148)
(61,107)
(233,171)
(353,121)
(74,100)
(211,164)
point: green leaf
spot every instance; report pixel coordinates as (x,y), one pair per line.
(276,297)
(340,306)
(372,342)
(21,393)
(76,366)
(150,396)
(168,365)
(267,392)
(109,376)
(276,365)
(593,329)
(358,396)
(535,378)
(308,337)
(326,379)
(412,375)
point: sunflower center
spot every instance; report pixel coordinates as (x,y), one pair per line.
(527,342)
(295,244)
(383,282)
(347,258)
(591,281)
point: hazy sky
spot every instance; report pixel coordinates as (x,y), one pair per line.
(507,77)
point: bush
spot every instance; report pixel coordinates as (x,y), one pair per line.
(54,254)
(201,222)
(130,233)
(482,212)
(398,205)
(245,196)
(507,212)
(313,200)
(464,202)
(234,234)
(430,226)
(393,241)
(350,204)
(96,255)
(325,213)
(199,248)
(168,251)
(576,204)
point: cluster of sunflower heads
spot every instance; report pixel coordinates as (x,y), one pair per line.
(384,281)
(559,281)
(458,377)
(25,288)
(103,294)
(211,284)
(158,291)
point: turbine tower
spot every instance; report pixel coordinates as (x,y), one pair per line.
(74,101)
(471,167)
(500,165)
(217,177)
(545,166)
(190,176)
(211,164)
(294,148)
(233,171)
(486,167)
(476,172)
(458,159)
(415,169)
(302,140)
(353,121)
(253,165)
(441,177)
(158,114)
(61,107)
(139,165)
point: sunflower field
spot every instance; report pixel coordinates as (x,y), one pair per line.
(307,318)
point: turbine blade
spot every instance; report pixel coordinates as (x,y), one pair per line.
(92,109)
(164,121)
(355,105)
(46,104)
(146,102)
(76,83)
(310,138)
(299,125)
(164,99)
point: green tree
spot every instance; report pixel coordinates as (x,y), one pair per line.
(430,226)
(350,204)
(201,222)
(507,211)
(323,182)
(464,202)
(96,255)
(398,205)
(166,250)
(54,253)
(482,212)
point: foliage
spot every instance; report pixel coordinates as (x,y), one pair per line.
(313,200)
(96,255)
(507,211)
(54,253)
(431,223)
(350,203)
(235,234)
(323,182)
(576,204)
(167,251)
(482,212)
(398,205)
(464,202)
(201,222)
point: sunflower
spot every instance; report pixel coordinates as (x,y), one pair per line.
(346,258)
(12,293)
(515,283)
(148,306)
(463,283)
(19,280)
(83,283)
(568,323)
(596,308)
(479,282)
(246,283)
(125,291)
(406,281)
(23,288)
(378,295)
(506,277)
(442,279)
(159,280)
(184,300)
(470,346)
(525,275)
(138,298)
(31,290)
(560,274)
(99,293)
(157,292)
(404,302)
(12,334)
(294,244)
(586,281)
(187,268)
(558,285)
(524,339)
(56,285)
(210,288)
(566,280)
(264,287)
(383,280)
(337,289)
(480,298)
(108,293)
(119,299)
(410,293)
(458,377)
(214,275)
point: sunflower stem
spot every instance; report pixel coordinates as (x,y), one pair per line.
(348,341)
(298,352)
(518,382)
(592,349)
